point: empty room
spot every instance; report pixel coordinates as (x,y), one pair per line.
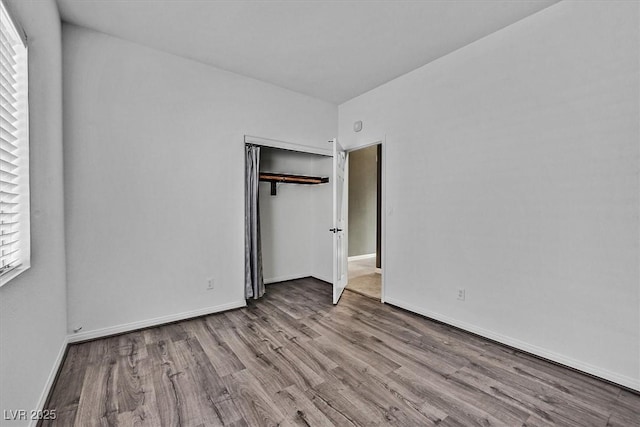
(319,213)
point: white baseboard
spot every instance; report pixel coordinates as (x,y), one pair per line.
(359,257)
(297,276)
(52,377)
(632,383)
(324,279)
(128,327)
(285,278)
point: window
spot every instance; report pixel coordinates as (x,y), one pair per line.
(15,236)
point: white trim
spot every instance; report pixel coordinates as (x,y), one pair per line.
(383,210)
(364,145)
(128,327)
(52,377)
(286,278)
(274,143)
(329,280)
(632,383)
(378,270)
(345,220)
(360,257)
(296,277)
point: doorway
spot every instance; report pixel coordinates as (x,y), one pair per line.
(364,238)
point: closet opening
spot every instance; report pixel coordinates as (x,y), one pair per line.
(365,221)
(294,212)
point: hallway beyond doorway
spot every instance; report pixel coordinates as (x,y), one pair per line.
(364,278)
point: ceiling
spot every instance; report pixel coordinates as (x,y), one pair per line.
(332,50)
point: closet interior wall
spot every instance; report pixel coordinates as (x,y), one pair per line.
(295,222)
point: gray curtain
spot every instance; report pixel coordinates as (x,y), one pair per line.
(253,282)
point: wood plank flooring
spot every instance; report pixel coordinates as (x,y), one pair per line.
(293,359)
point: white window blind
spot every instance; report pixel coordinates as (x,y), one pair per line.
(14,151)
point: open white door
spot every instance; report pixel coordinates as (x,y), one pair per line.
(339,241)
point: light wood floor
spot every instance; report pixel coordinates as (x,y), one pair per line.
(292,358)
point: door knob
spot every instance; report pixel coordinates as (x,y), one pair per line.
(335,230)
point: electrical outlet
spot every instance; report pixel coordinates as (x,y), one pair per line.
(210,284)
(461,294)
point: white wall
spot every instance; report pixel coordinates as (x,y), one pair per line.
(512,171)
(33,305)
(154,156)
(286,219)
(363,200)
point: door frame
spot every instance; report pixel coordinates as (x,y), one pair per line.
(383,210)
(281,145)
(284,145)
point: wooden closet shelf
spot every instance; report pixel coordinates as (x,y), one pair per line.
(292,179)
(274,178)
